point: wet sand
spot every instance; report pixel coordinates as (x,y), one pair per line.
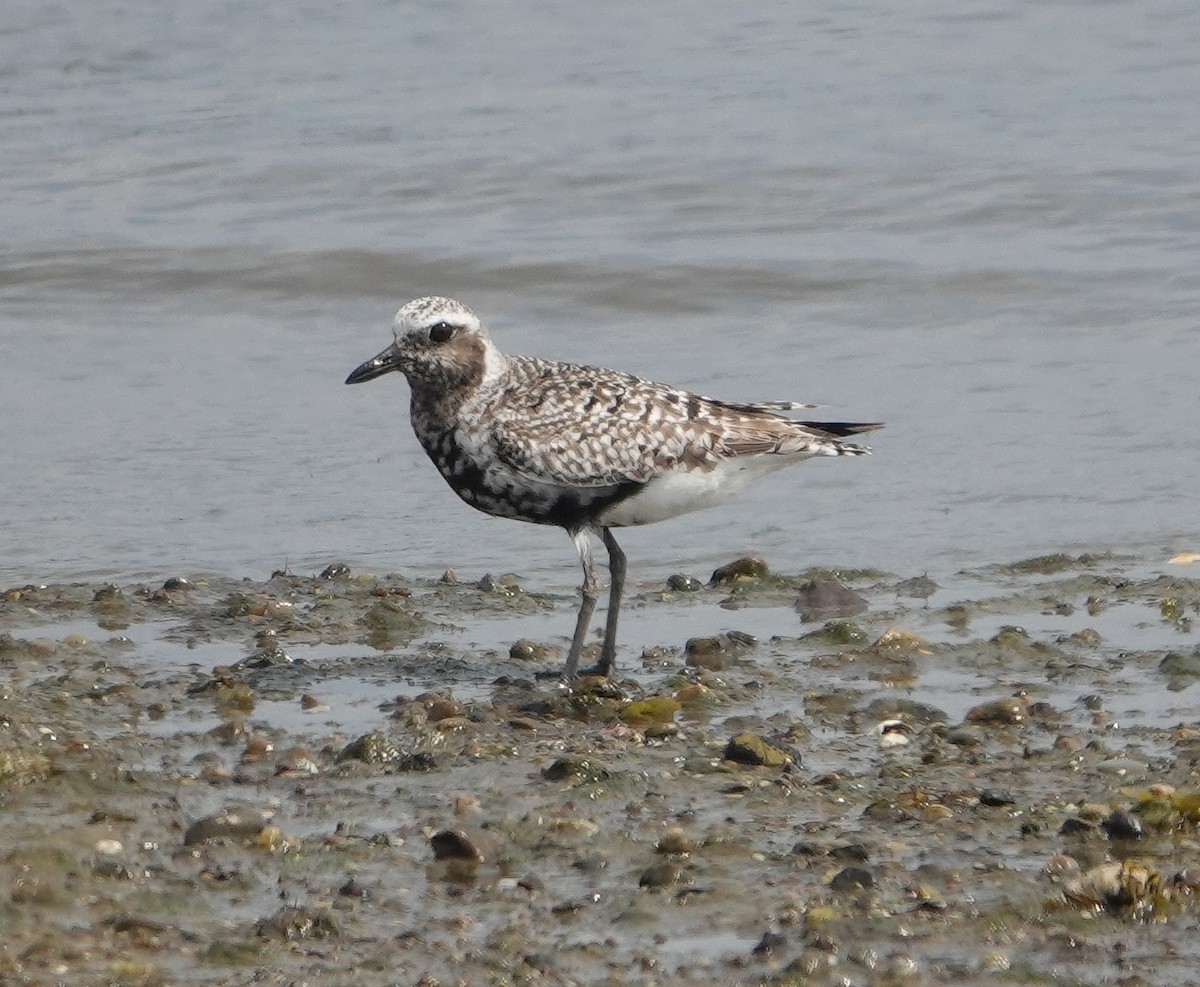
(825,777)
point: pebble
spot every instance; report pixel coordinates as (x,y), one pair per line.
(750,748)
(228,824)
(1123,825)
(823,599)
(749,567)
(852,879)
(660,875)
(457,844)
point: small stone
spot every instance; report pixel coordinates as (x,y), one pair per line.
(897,641)
(1123,825)
(893,733)
(706,652)
(442,709)
(822,599)
(838,632)
(176,583)
(747,568)
(335,570)
(750,748)
(256,750)
(852,879)
(1012,711)
(228,824)
(296,761)
(660,875)
(675,842)
(371,748)
(456,844)
(296,922)
(856,853)
(771,942)
(995,797)
(1180,665)
(526,650)
(571,766)
(684,584)
(657,709)
(918,587)
(531,883)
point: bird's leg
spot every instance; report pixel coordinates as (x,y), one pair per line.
(616,570)
(587,604)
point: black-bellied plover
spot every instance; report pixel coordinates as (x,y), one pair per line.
(582,448)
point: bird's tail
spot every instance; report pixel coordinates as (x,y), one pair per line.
(832,432)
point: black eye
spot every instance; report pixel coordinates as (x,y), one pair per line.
(440,332)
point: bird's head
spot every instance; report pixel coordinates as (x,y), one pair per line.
(440,345)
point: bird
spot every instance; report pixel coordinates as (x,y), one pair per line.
(579,447)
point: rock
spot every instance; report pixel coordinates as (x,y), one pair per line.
(442,708)
(572,766)
(296,922)
(352,889)
(897,641)
(527,650)
(371,748)
(675,842)
(1127,886)
(296,761)
(822,599)
(771,942)
(918,587)
(457,844)
(747,568)
(851,879)
(660,875)
(1179,665)
(656,709)
(837,632)
(685,584)
(1123,825)
(335,570)
(706,652)
(228,824)
(1009,712)
(893,733)
(750,748)
(855,853)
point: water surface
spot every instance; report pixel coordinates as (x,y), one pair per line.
(977,223)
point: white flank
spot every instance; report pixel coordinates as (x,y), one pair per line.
(682,491)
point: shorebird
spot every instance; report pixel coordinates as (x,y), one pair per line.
(580,447)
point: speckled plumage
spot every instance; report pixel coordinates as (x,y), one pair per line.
(580,447)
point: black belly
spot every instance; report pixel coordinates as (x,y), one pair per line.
(502,493)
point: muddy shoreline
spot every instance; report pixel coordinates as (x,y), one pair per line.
(823,777)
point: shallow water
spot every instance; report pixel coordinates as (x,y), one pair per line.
(975,223)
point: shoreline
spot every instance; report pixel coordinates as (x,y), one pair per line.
(308,778)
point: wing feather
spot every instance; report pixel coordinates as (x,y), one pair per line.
(588,427)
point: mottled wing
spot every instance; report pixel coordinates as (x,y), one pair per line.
(589,427)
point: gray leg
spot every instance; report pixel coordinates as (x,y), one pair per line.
(589,591)
(616,587)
